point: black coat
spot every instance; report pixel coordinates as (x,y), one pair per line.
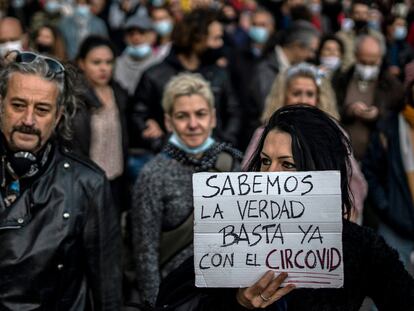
(148,96)
(388,190)
(60,241)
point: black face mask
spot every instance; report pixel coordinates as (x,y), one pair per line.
(210,56)
(360,25)
(44,49)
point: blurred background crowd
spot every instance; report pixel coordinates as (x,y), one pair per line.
(352,59)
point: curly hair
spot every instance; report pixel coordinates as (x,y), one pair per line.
(68,85)
(277,96)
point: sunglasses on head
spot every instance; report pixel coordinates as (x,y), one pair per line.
(55,67)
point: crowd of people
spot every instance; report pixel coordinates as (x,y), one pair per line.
(107,108)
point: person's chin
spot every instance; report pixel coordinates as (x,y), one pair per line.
(31,145)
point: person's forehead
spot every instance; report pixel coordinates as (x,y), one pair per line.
(10,30)
(32,87)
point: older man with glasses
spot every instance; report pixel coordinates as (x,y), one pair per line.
(59,230)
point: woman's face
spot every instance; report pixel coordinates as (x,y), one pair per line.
(98,65)
(302,90)
(331,48)
(276,155)
(45,36)
(192,120)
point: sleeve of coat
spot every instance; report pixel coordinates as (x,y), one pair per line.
(374,171)
(102,243)
(146,223)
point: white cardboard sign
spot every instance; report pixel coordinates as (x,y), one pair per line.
(248,223)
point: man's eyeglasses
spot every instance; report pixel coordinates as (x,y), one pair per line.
(55,67)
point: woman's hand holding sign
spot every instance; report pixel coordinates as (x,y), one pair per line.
(264,292)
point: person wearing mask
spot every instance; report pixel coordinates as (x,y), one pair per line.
(162,207)
(138,54)
(359,16)
(12,36)
(330,55)
(119,12)
(297,44)
(77,27)
(366,92)
(303,138)
(243,62)
(399,52)
(189,53)
(47,40)
(163,23)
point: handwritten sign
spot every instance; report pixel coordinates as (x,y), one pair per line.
(248,223)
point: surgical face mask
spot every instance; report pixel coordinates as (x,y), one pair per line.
(367,73)
(138,51)
(157,3)
(258,34)
(315,8)
(375,25)
(10,46)
(176,141)
(331,62)
(163,27)
(83,10)
(400,32)
(52,7)
(360,24)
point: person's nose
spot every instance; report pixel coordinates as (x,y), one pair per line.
(193,122)
(29,117)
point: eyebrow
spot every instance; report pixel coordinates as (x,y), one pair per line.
(25,101)
(281,157)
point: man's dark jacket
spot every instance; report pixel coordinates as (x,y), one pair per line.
(60,241)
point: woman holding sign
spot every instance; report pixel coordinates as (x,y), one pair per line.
(303,138)
(162,210)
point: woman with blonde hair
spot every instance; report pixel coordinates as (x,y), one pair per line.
(304,84)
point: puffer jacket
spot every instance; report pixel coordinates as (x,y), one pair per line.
(60,241)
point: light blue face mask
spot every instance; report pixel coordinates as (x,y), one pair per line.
(176,141)
(258,34)
(163,27)
(83,10)
(52,7)
(400,33)
(138,51)
(157,3)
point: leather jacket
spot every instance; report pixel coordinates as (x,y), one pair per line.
(60,241)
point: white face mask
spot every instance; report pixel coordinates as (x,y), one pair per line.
(330,62)
(10,46)
(367,73)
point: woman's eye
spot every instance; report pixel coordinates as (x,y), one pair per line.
(288,165)
(265,161)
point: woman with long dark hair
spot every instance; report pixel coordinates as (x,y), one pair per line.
(303,138)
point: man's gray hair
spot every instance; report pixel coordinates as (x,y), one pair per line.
(69,92)
(300,32)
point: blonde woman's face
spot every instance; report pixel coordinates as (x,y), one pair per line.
(302,90)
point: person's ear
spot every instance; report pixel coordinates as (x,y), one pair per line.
(168,122)
(214,118)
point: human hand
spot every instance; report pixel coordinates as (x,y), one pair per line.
(153,130)
(264,292)
(363,111)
